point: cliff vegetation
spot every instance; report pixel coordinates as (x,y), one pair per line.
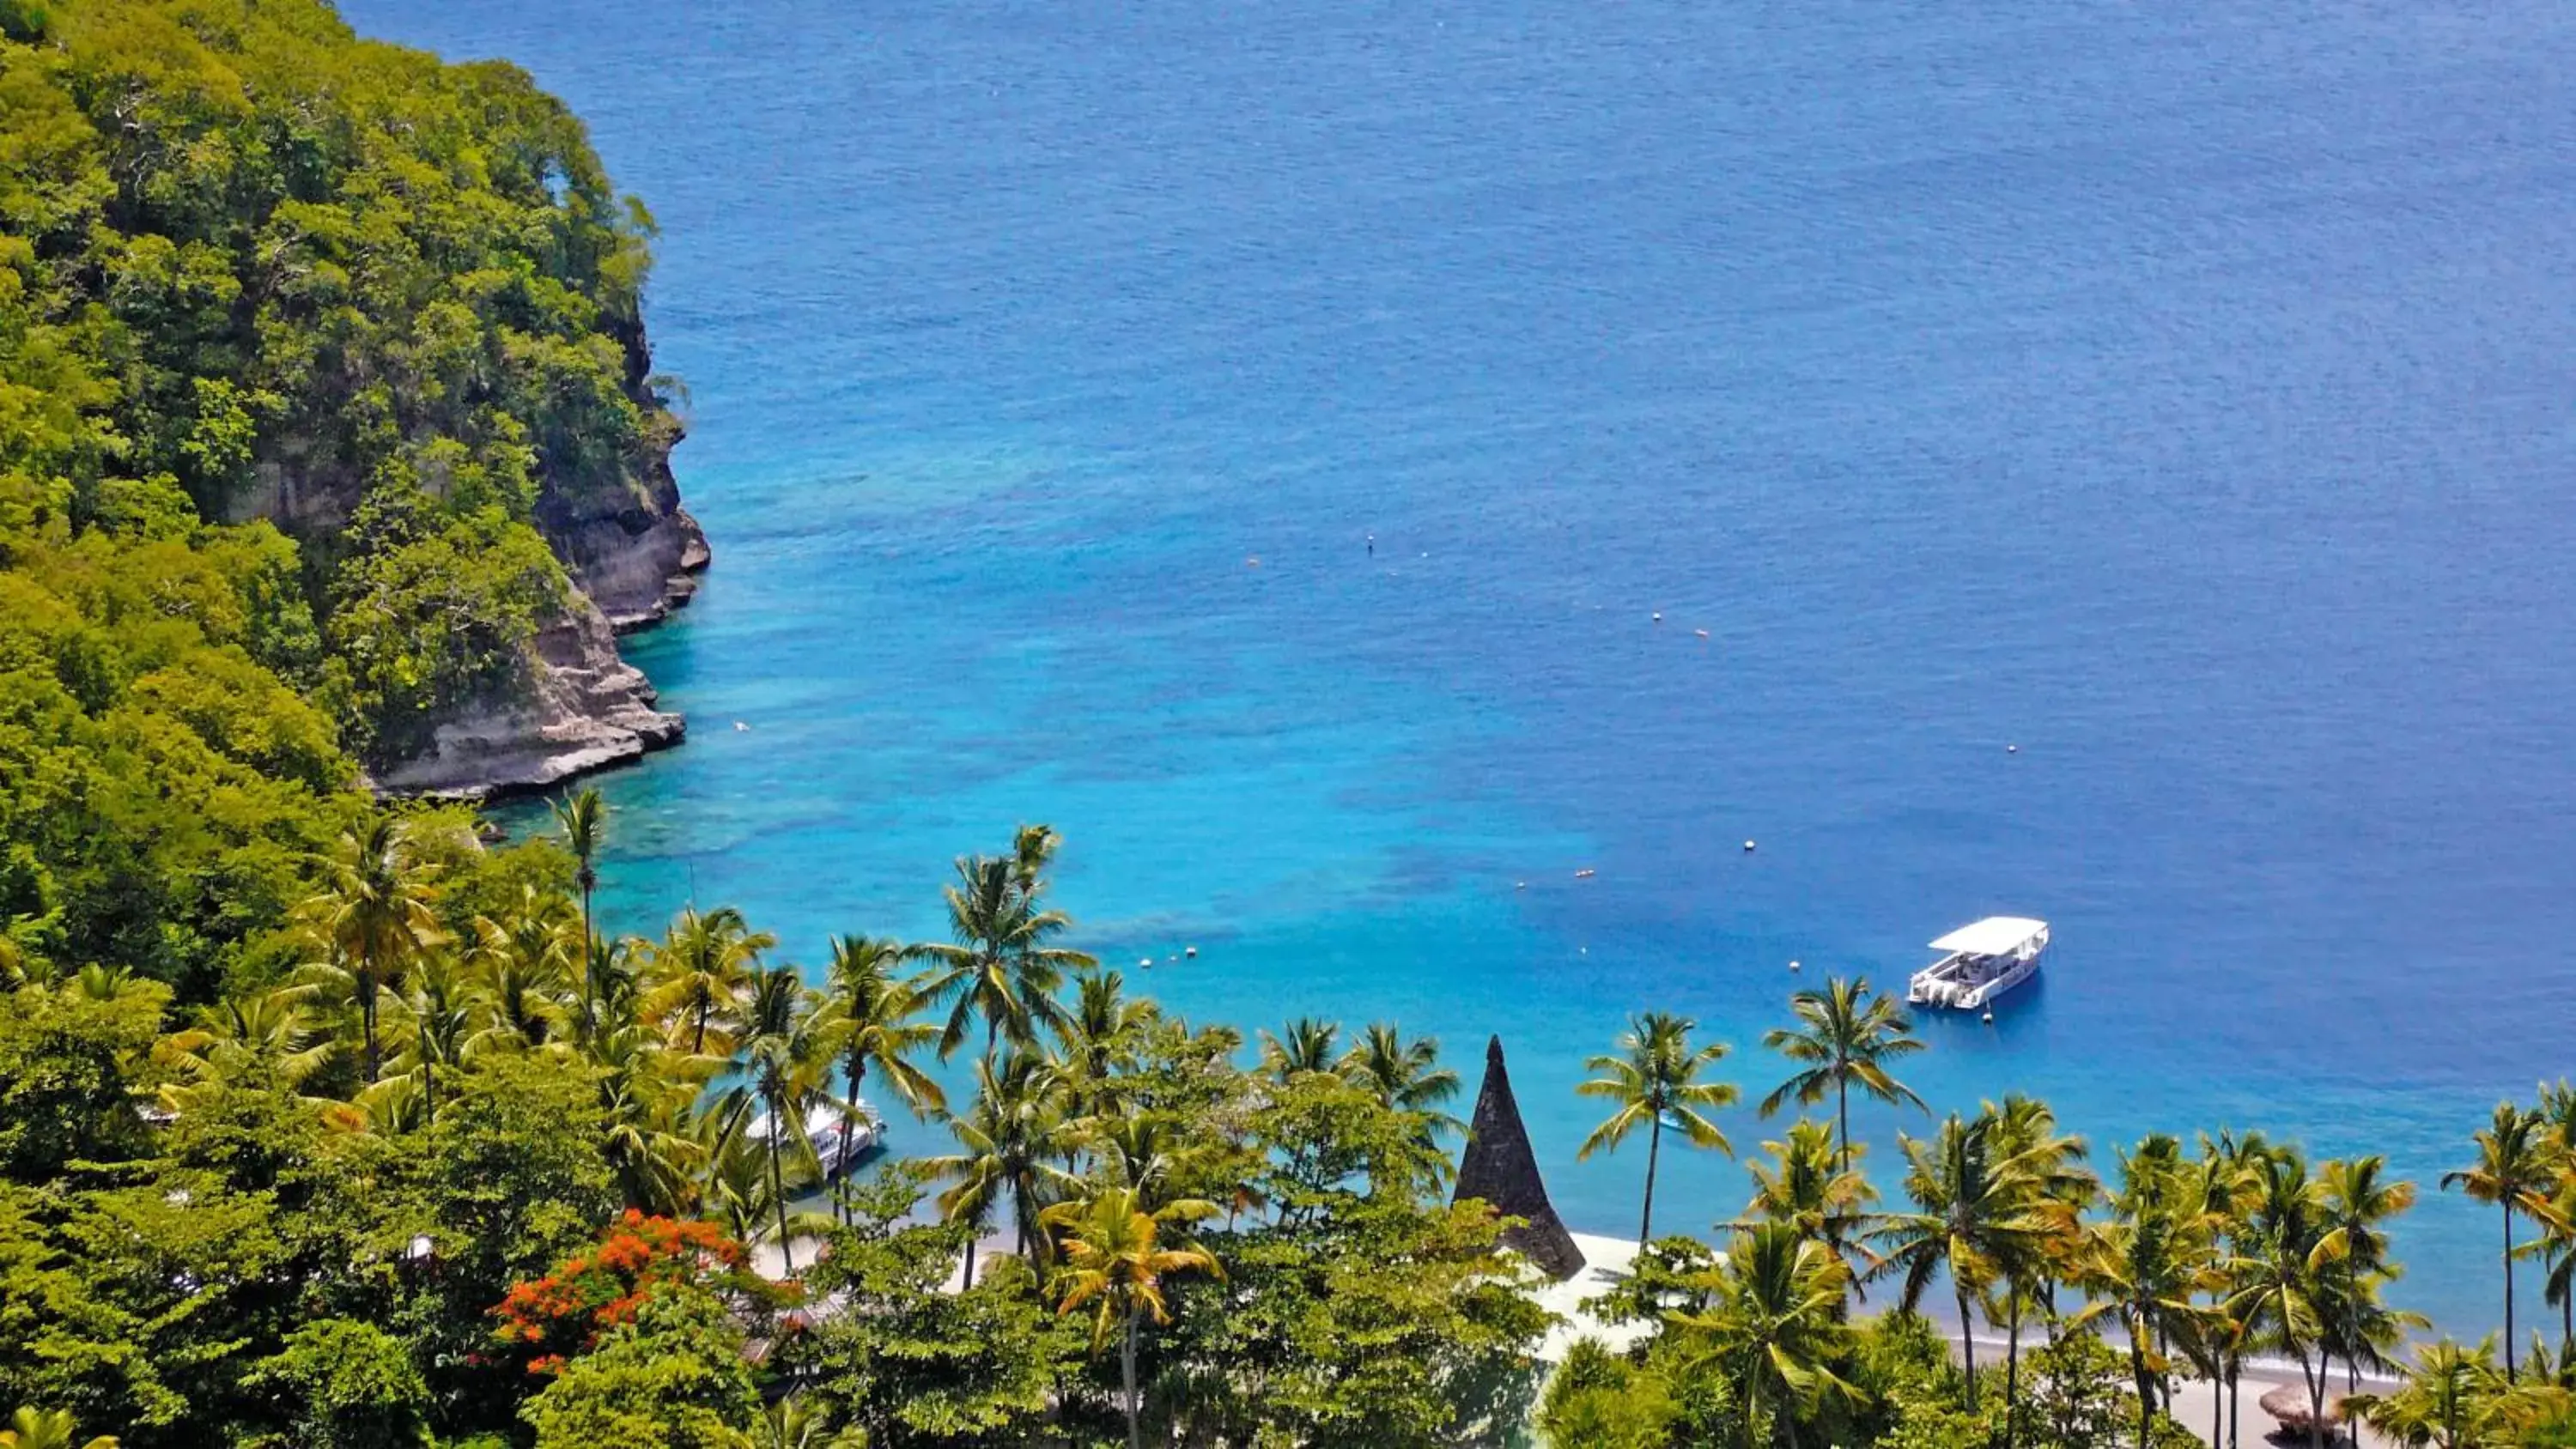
(252,267)
(323,399)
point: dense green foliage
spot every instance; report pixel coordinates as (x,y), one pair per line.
(324,1126)
(251,266)
(396,1193)
(462,1173)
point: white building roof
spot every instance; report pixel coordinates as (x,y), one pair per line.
(1993,936)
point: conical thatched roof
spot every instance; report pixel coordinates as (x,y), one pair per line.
(2289,1404)
(1499,1168)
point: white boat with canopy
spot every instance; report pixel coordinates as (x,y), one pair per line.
(823,1123)
(1980,962)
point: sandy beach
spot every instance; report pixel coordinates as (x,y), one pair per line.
(1607,1260)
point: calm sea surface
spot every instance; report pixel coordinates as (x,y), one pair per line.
(2178,392)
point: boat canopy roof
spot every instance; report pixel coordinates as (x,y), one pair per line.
(1993,936)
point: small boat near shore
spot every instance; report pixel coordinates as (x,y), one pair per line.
(823,1123)
(1980,962)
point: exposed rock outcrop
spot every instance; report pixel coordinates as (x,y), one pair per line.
(1499,1168)
(629,543)
(637,564)
(634,555)
(586,709)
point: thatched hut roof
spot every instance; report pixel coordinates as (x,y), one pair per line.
(2289,1404)
(1499,1169)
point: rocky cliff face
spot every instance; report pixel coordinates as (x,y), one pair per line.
(635,555)
(633,549)
(588,709)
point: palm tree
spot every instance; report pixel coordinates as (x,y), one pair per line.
(869,1022)
(2227,1178)
(1153,1154)
(699,969)
(1805,1186)
(649,1091)
(373,915)
(1847,1038)
(2279,1293)
(1099,1035)
(2516,1166)
(1113,1260)
(786,1067)
(612,988)
(1305,1045)
(1404,1075)
(2356,1201)
(738,1192)
(32,1428)
(1000,966)
(1033,849)
(1972,1217)
(584,818)
(2448,1399)
(2557,1245)
(1013,1137)
(798,1422)
(273,1031)
(433,1023)
(522,973)
(2056,1190)
(2149,1265)
(1653,1080)
(2556,1249)
(1774,1327)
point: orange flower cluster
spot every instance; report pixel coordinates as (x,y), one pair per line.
(567,1310)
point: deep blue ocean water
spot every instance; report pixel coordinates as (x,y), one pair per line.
(2179,393)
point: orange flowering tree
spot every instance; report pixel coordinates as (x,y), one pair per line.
(549,1319)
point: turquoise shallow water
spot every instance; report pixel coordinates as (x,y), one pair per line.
(2177,392)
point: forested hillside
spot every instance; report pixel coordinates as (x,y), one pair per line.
(254,269)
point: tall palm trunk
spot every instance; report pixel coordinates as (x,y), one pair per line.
(2146,1400)
(589,966)
(2235,1398)
(2012,1367)
(970,1258)
(778,1189)
(1654,1149)
(1127,1373)
(2316,1384)
(1842,1118)
(1967,1342)
(2508,1289)
(2138,1375)
(841,1158)
(375,1056)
